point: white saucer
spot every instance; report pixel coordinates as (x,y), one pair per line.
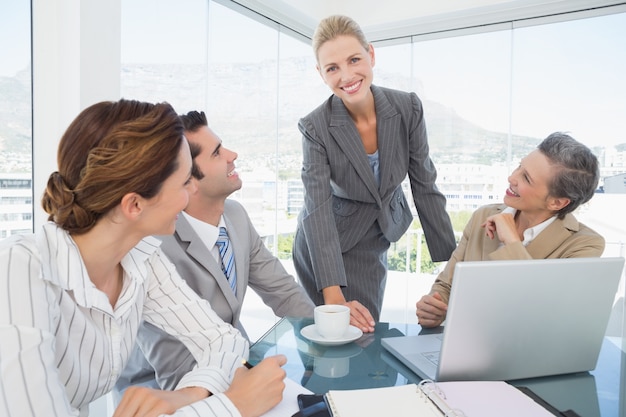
(351,335)
(316,350)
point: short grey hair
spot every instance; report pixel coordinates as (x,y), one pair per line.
(577,170)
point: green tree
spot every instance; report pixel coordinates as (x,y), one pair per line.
(396,256)
(285,244)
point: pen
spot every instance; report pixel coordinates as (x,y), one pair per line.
(246,364)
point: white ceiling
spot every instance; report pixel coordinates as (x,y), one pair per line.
(389,19)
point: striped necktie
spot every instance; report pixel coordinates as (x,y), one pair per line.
(228,258)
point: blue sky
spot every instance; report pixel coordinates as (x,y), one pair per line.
(14,36)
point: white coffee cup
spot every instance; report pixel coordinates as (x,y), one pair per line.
(332,320)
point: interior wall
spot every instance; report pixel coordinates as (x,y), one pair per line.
(76,62)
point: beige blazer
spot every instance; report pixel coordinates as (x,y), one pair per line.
(565,238)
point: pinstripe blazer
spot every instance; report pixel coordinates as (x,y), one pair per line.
(256,267)
(565,238)
(342,198)
(62,344)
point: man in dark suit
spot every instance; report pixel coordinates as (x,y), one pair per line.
(194,249)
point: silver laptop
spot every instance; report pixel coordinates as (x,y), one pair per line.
(517,319)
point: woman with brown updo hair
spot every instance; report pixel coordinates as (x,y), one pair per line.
(75,292)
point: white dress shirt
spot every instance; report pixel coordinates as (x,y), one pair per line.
(531,232)
(208,234)
(62,344)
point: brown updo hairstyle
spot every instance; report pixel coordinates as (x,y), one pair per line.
(109,150)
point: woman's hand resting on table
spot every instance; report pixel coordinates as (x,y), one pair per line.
(360,316)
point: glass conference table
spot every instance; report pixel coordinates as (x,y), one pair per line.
(364,363)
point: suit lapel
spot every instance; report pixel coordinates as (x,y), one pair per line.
(388,131)
(552,237)
(198,251)
(491,245)
(344,132)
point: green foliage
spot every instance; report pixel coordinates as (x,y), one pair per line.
(285,244)
(459,219)
(396,256)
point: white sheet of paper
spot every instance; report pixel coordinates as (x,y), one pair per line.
(491,399)
(289,405)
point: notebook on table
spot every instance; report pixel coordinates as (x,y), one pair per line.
(517,319)
(429,399)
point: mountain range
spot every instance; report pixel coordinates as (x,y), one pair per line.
(241,96)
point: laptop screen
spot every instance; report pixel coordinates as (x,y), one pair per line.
(522,318)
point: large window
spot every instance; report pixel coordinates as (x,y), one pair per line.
(489,97)
(492,97)
(162,61)
(16,210)
(253,80)
(569,76)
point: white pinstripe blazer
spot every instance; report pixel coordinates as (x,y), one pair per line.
(342,199)
(62,345)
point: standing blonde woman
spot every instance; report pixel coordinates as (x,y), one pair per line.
(73,294)
(358,147)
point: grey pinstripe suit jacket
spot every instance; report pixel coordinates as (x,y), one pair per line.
(342,198)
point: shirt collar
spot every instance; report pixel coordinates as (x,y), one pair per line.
(207,232)
(63,266)
(532,232)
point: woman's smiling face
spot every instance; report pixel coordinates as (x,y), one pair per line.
(346,67)
(162,210)
(528,184)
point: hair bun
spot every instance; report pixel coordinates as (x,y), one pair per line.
(59,201)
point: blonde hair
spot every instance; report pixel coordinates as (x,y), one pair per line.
(337,25)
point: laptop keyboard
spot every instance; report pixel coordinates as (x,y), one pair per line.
(432,357)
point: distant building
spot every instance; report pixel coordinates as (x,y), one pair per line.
(615,184)
(470,186)
(465,186)
(295,197)
(16,204)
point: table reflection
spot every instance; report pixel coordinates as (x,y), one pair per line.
(319,368)
(364,363)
